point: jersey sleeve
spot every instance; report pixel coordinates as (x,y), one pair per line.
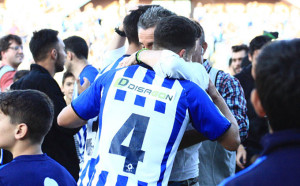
(172,66)
(87,104)
(206,117)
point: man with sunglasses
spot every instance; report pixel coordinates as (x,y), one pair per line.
(11,56)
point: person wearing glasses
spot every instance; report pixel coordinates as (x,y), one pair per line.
(11,56)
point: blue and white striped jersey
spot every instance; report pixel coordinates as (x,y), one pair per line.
(142,118)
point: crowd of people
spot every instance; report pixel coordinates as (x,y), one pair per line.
(155,113)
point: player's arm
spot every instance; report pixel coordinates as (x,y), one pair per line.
(166,63)
(83,108)
(69,119)
(208,120)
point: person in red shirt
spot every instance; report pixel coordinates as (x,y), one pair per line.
(11,56)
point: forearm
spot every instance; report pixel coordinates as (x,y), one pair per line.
(68,118)
(231,139)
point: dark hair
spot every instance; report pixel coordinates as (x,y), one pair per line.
(152,16)
(277,83)
(175,33)
(41,42)
(66,75)
(19,74)
(31,107)
(5,42)
(257,43)
(77,45)
(237,48)
(245,62)
(130,23)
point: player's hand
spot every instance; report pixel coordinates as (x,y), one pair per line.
(212,91)
(86,84)
(131,60)
(241,156)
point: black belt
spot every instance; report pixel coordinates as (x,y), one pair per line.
(190,181)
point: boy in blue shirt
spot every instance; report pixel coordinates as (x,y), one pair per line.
(25,118)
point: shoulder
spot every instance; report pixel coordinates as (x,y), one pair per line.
(227,82)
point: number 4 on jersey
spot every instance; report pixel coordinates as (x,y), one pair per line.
(133,153)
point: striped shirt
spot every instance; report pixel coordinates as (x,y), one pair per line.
(142,118)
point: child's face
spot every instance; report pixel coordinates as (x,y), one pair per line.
(6,132)
(68,87)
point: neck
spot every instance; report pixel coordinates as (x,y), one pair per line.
(6,63)
(132,48)
(48,66)
(26,148)
(77,69)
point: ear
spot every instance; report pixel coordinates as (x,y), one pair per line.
(260,111)
(53,54)
(21,131)
(70,55)
(250,57)
(181,52)
(204,46)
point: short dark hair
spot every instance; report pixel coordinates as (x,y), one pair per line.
(175,33)
(66,75)
(41,42)
(237,48)
(5,42)
(200,32)
(257,43)
(152,16)
(77,45)
(19,74)
(130,23)
(31,107)
(277,83)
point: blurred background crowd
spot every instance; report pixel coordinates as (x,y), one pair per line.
(226,22)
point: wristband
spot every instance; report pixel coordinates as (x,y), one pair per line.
(138,53)
(121,33)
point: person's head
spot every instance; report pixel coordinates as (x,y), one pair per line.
(254,49)
(77,50)
(176,33)
(148,22)
(130,23)
(11,50)
(45,45)
(238,53)
(201,45)
(277,92)
(68,84)
(25,115)
(19,74)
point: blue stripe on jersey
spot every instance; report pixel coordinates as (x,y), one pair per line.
(1,156)
(102,103)
(179,118)
(129,72)
(118,61)
(120,95)
(122,180)
(160,106)
(242,172)
(140,183)
(92,169)
(149,77)
(83,173)
(140,101)
(102,178)
(167,83)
